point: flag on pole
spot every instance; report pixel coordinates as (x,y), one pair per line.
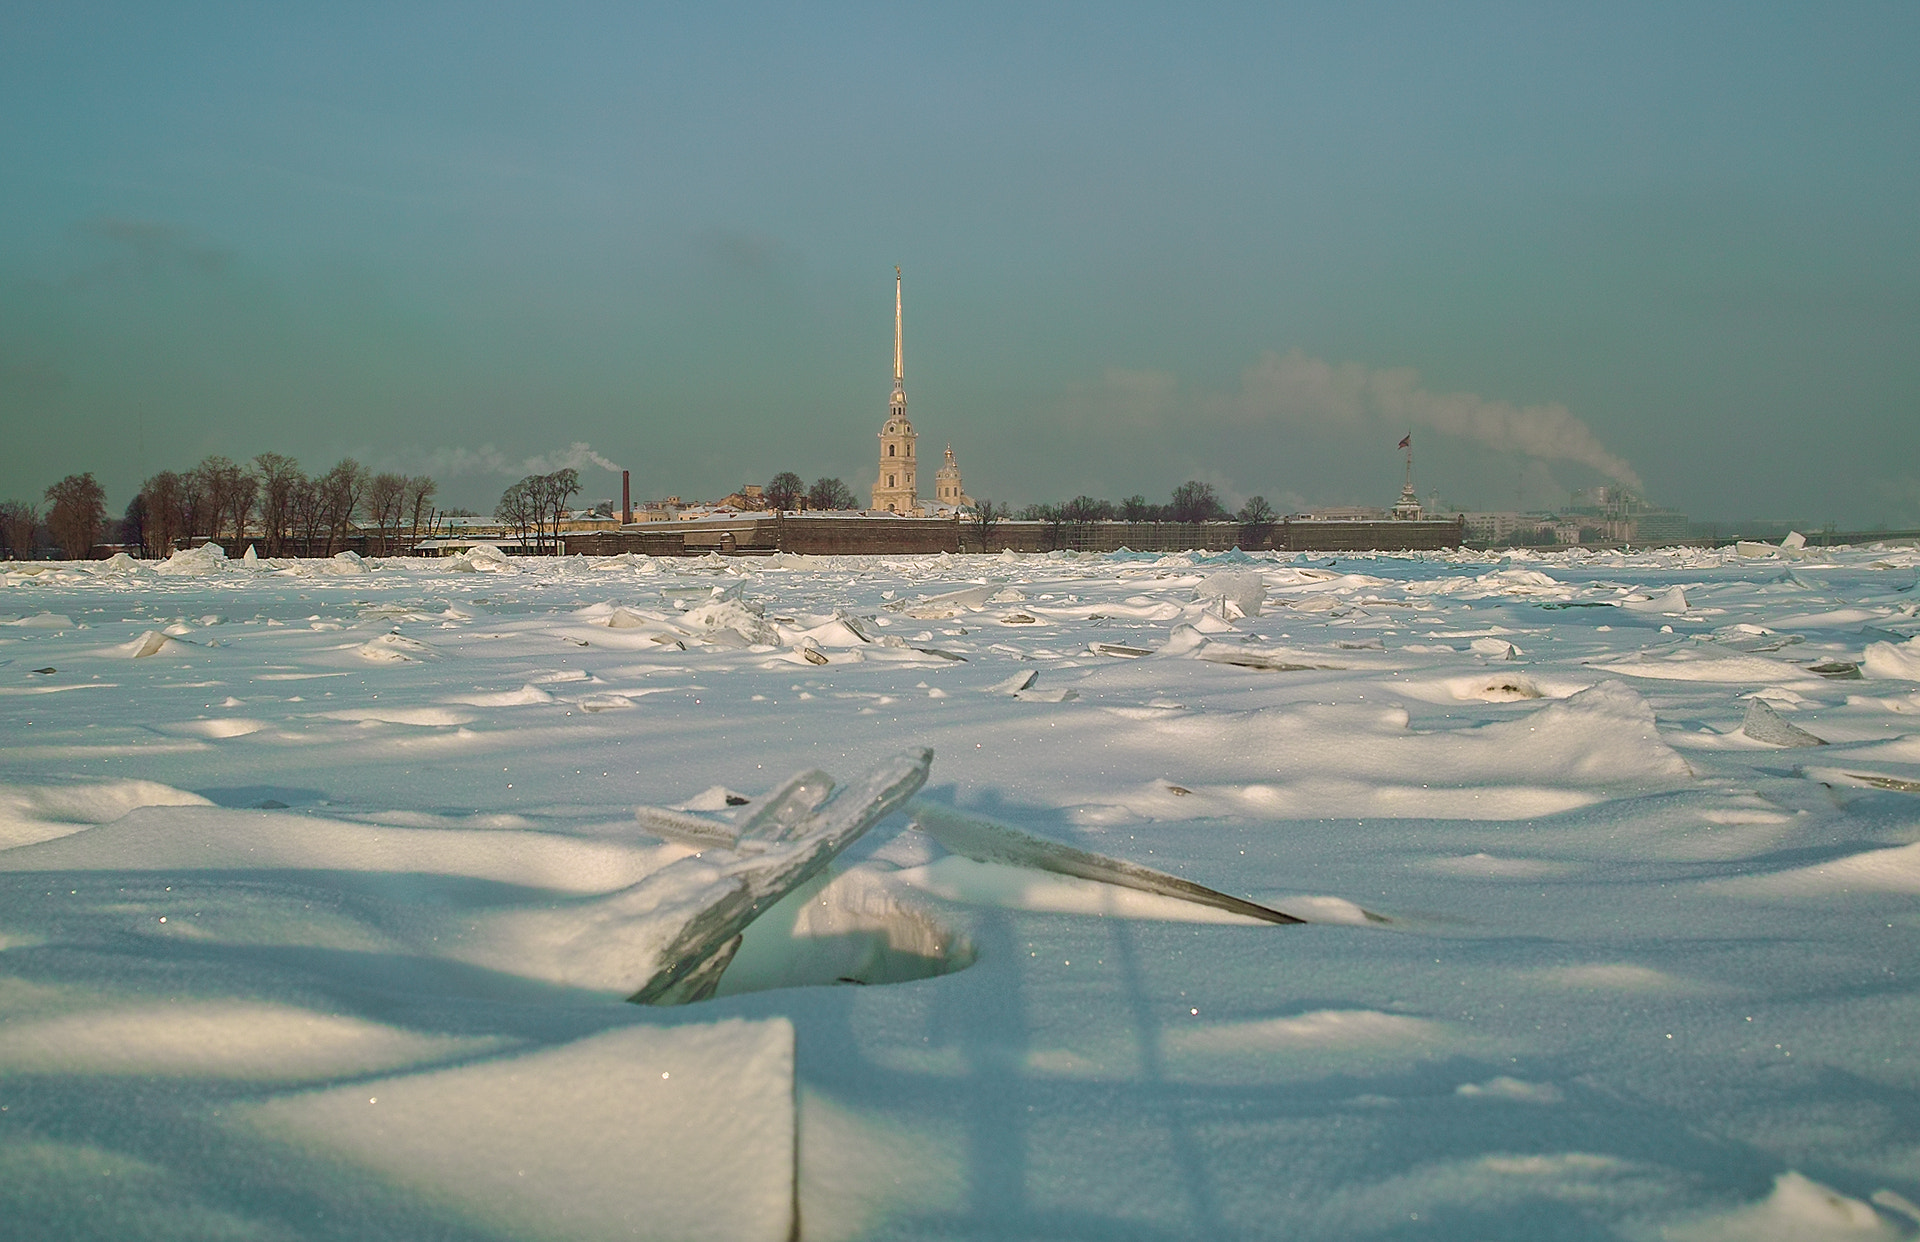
(1408,442)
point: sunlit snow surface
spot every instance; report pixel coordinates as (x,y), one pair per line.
(289,854)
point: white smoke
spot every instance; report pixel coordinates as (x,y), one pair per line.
(462,461)
(1306,392)
(577,456)
(1299,388)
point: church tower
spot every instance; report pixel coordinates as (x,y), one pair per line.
(894,490)
(947,488)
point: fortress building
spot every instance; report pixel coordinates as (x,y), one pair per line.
(894,489)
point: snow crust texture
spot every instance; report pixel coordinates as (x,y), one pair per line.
(323,884)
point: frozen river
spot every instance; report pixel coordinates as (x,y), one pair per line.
(317,898)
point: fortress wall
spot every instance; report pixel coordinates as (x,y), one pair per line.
(823,535)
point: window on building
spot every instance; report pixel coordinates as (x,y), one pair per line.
(890,450)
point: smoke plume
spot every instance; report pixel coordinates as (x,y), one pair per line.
(578,456)
(1297,388)
(461,461)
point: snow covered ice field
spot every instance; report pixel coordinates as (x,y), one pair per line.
(309,877)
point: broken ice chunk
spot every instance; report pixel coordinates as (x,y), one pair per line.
(1763,724)
(802,835)
(986,841)
(1245,589)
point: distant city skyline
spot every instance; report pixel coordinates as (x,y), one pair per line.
(1671,246)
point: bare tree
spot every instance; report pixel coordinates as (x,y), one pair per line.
(830,493)
(76,513)
(1087,509)
(341,490)
(986,516)
(1256,512)
(306,512)
(784,490)
(133,524)
(385,503)
(1194,501)
(218,482)
(278,476)
(518,508)
(165,521)
(559,488)
(190,504)
(18,521)
(420,493)
(242,493)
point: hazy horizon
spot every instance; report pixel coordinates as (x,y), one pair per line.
(1671,246)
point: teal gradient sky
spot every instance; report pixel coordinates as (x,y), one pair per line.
(1673,243)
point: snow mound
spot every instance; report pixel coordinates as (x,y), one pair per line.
(730,621)
(839,632)
(1604,734)
(421,717)
(341,565)
(220,1039)
(118,563)
(627,619)
(31,813)
(395,649)
(1328,1028)
(680,1133)
(1702,663)
(1898,661)
(43,621)
(483,558)
(194,562)
(1515,1089)
(150,643)
(525,696)
(1798,1210)
(1892,870)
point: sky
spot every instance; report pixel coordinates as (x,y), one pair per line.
(1671,246)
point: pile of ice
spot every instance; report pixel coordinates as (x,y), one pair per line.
(485,558)
(208,558)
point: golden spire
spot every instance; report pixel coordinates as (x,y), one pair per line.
(899,365)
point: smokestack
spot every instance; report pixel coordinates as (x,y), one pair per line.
(626,498)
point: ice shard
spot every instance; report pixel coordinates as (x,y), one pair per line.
(986,841)
(1763,724)
(796,832)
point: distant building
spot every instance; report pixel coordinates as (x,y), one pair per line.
(1509,526)
(1661,527)
(947,489)
(1623,516)
(1407,508)
(1347,513)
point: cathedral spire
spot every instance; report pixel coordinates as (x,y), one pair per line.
(894,489)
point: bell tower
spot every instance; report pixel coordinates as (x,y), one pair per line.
(894,489)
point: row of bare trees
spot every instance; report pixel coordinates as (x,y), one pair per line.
(535,506)
(76,518)
(274,504)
